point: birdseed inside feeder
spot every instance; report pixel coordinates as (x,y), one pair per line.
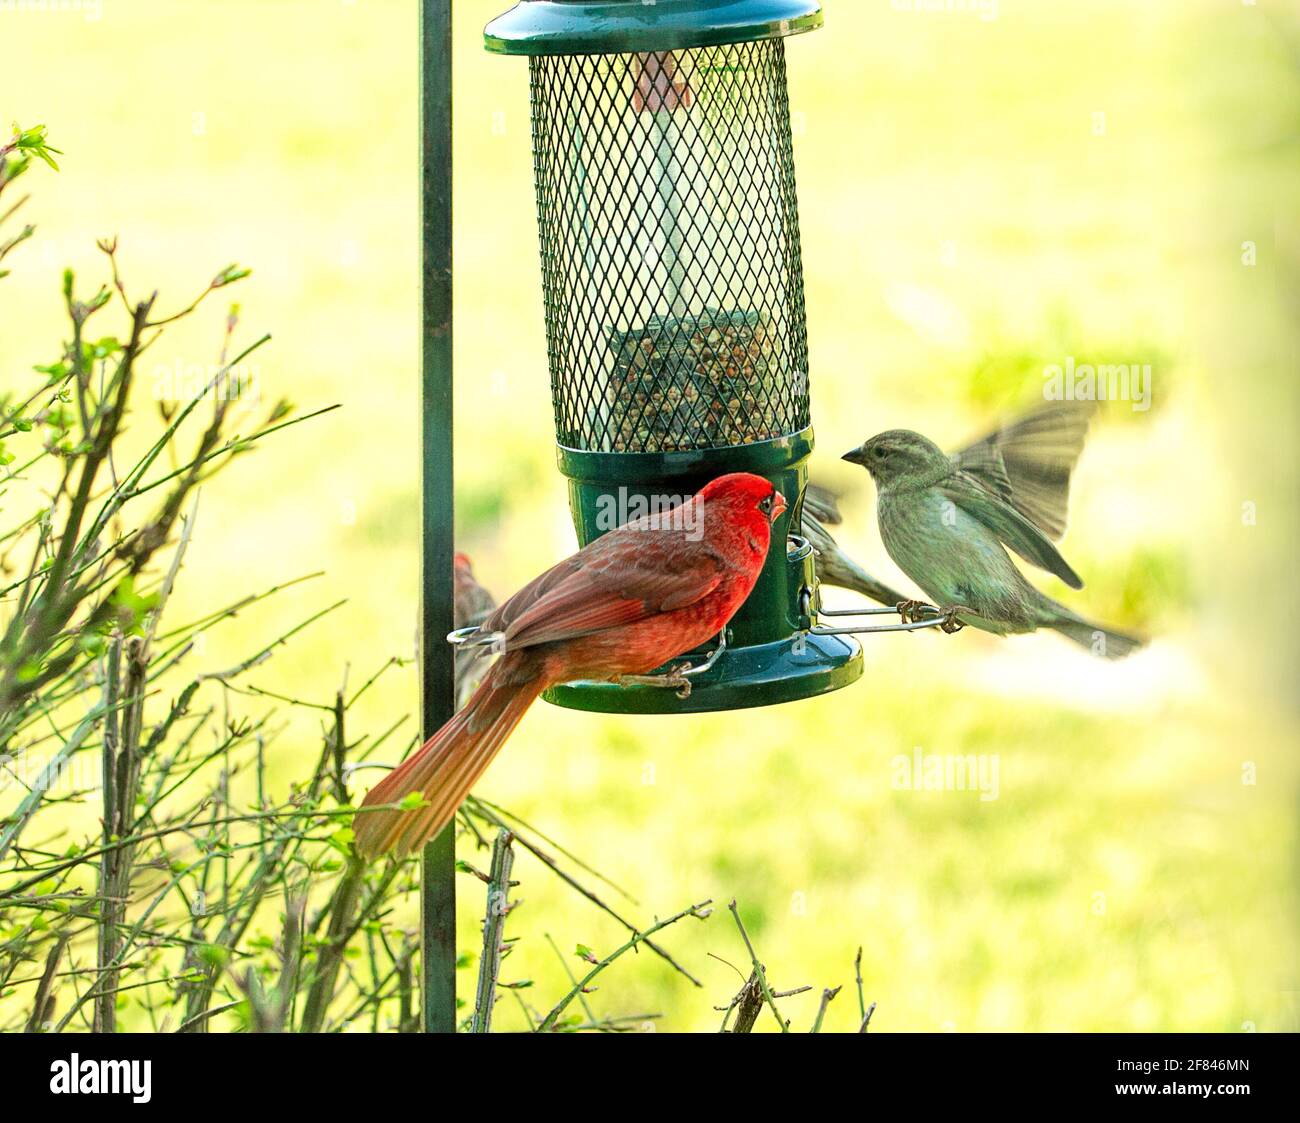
(673,291)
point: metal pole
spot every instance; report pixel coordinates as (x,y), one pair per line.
(437,660)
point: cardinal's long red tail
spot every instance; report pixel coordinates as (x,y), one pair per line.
(450,762)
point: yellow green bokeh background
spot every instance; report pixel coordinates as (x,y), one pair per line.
(980,197)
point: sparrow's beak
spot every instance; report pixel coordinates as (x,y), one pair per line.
(778,506)
(855,456)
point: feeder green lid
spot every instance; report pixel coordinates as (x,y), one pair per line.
(587,27)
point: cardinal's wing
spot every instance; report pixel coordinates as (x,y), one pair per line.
(1010,526)
(631,574)
(1028,462)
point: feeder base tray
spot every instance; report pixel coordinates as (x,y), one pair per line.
(743,677)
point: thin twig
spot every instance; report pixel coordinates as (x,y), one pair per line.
(827,997)
(700,912)
(759,970)
(857,973)
(483,811)
(42,1003)
(866,1018)
(498,905)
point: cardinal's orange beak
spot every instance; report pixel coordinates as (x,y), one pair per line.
(778,507)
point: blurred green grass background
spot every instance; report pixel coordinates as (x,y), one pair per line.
(967,219)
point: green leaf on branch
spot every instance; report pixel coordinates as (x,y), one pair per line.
(33,141)
(132,607)
(229,275)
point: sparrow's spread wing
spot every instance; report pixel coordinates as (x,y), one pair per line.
(1010,526)
(1028,462)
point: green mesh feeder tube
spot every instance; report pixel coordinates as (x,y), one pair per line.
(673,293)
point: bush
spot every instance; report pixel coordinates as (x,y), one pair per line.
(203,898)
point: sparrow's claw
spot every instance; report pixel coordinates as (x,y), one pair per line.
(908,610)
(916,611)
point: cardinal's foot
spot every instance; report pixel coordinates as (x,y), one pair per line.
(673,680)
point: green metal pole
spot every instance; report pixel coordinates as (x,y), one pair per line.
(437,661)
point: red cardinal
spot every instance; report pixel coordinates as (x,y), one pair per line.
(624,605)
(471,603)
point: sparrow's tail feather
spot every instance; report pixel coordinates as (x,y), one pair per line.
(1100,641)
(835,567)
(853,576)
(449,764)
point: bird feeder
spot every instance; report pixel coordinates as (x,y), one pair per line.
(674,299)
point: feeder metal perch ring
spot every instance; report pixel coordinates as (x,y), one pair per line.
(934,617)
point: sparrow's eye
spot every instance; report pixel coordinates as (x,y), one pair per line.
(878,452)
(765,504)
